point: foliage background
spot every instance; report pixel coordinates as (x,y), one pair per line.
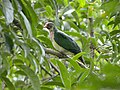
(26,65)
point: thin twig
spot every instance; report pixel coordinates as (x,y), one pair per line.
(82,65)
(54,67)
(46,70)
(49,78)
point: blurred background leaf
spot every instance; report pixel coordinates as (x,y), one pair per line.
(26,65)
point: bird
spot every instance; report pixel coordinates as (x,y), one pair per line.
(61,41)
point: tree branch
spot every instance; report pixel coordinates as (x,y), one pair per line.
(56,53)
(91,35)
(60,55)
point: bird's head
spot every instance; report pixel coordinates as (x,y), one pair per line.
(49,26)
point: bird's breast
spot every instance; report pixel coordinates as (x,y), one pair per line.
(56,46)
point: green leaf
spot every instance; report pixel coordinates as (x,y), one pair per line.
(27,88)
(110,23)
(27,24)
(33,15)
(46,41)
(46,88)
(73,25)
(75,14)
(117,58)
(18,62)
(65,2)
(66,9)
(64,75)
(1,28)
(68,12)
(115,49)
(4,60)
(8,83)
(114,32)
(110,6)
(26,49)
(29,13)
(101,38)
(20,73)
(19,83)
(117,20)
(15,5)
(84,76)
(74,34)
(75,65)
(57,83)
(109,69)
(93,40)
(33,78)
(78,55)
(9,42)
(41,47)
(82,2)
(113,79)
(49,10)
(8,11)
(77,72)
(98,20)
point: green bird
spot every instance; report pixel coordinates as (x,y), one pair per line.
(62,41)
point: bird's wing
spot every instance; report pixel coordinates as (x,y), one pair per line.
(66,42)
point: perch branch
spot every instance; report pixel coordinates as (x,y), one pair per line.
(60,55)
(56,53)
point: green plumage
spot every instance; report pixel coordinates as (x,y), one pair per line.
(66,42)
(63,40)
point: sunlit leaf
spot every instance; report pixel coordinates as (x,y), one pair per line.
(8,83)
(75,65)
(82,2)
(66,2)
(73,25)
(41,48)
(110,6)
(27,24)
(75,14)
(49,10)
(64,75)
(78,55)
(69,11)
(46,41)
(84,76)
(8,11)
(32,76)
(75,34)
